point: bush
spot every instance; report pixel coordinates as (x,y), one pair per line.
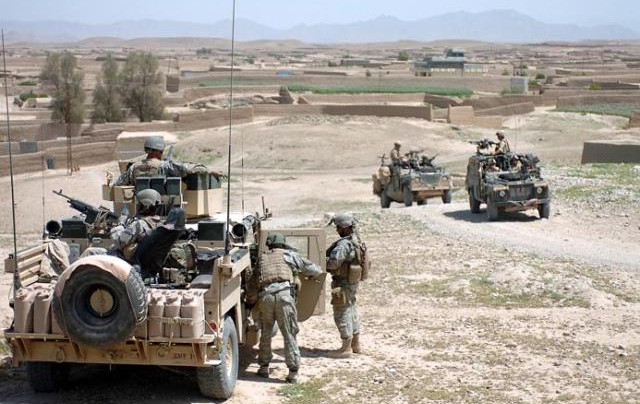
(540,76)
(595,87)
(505,72)
(31,94)
(28,83)
(403,56)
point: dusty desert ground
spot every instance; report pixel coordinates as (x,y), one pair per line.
(457,309)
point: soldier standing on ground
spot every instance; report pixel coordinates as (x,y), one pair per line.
(277,281)
(346,259)
(503,144)
(394,154)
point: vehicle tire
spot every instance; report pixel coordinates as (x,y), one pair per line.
(446,196)
(492,210)
(407,196)
(47,377)
(83,318)
(544,210)
(385,201)
(219,381)
(474,204)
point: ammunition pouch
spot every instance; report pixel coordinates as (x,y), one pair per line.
(338,297)
(355,274)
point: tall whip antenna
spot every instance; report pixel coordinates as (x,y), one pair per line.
(227,241)
(16,276)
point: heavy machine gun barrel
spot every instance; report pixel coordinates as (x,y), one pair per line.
(92,213)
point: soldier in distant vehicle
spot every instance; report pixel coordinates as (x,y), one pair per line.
(503,144)
(152,165)
(347,263)
(515,164)
(277,283)
(394,154)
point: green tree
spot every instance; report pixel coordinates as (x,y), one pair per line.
(142,86)
(403,56)
(106,96)
(60,72)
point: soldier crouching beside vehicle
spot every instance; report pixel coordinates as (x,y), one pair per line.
(348,265)
(277,280)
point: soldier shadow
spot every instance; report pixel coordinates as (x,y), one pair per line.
(467,216)
(248,357)
(315,352)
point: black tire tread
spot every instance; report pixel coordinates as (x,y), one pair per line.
(212,380)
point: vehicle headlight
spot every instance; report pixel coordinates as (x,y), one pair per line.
(539,190)
(502,194)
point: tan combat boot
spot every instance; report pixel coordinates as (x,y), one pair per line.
(355,344)
(345,350)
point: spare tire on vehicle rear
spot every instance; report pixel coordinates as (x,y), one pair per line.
(99,301)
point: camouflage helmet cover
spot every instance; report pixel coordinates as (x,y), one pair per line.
(154,143)
(397,143)
(343,220)
(500,134)
(276,239)
(148,197)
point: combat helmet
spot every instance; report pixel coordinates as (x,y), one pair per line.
(397,143)
(277,239)
(342,220)
(148,197)
(154,143)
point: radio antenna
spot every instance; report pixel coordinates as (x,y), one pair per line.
(16,276)
(227,241)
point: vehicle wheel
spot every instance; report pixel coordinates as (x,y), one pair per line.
(407,195)
(544,210)
(219,381)
(98,310)
(474,204)
(46,377)
(385,201)
(446,196)
(492,210)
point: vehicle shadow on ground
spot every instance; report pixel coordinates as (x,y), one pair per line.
(315,352)
(249,356)
(115,384)
(467,216)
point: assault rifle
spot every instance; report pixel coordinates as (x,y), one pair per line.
(101,219)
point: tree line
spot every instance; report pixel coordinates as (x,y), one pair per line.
(136,87)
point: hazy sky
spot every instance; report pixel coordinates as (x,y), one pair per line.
(286,13)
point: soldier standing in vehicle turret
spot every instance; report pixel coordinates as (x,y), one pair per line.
(503,144)
(277,281)
(394,154)
(346,261)
(152,165)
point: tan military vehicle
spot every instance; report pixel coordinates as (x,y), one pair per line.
(99,310)
(417,179)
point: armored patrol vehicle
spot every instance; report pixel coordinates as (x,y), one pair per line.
(416,179)
(505,182)
(99,309)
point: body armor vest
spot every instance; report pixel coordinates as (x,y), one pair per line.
(146,168)
(274,269)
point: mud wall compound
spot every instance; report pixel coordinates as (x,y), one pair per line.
(507,110)
(603,151)
(577,101)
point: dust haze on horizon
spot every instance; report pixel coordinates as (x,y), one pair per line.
(283,14)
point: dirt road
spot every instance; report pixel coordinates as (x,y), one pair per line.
(457,309)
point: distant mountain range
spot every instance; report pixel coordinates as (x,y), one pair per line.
(504,26)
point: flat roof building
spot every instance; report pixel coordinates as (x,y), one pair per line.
(453,63)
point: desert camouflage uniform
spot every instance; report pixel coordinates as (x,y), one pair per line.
(503,147)
(125,238)
(277,302)
(395,157)
(151,167)
(341,255)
